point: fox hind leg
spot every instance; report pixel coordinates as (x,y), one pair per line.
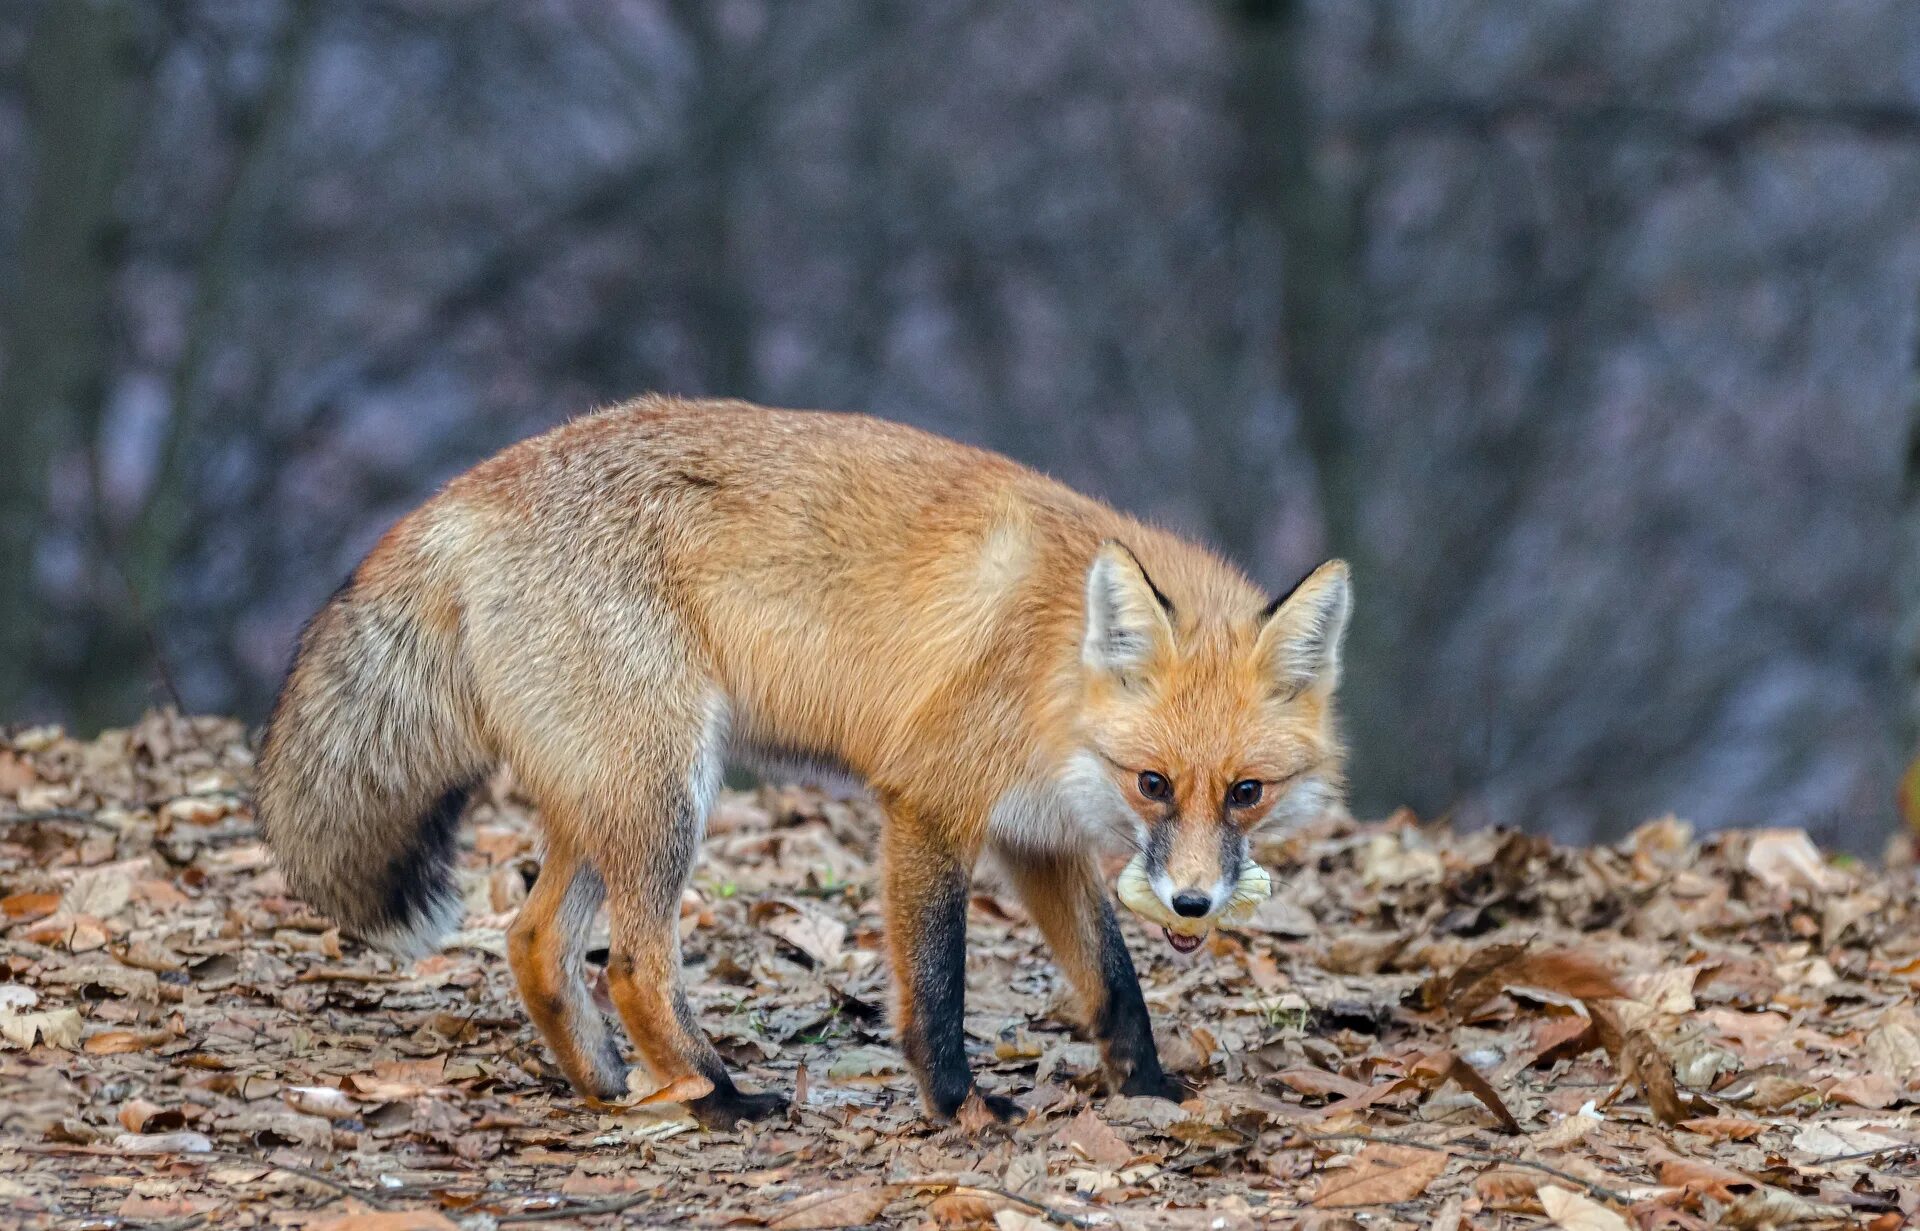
(1064,894)
(545,948)
(643,968)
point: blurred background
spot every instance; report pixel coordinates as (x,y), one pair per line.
(1585,328)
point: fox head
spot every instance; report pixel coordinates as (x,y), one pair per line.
(1208,723)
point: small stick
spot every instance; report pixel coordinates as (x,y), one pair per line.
(1598,1190)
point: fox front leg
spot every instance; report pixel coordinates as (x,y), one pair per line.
(927,885)
(1064,894)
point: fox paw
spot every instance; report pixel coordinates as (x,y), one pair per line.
(980,1109)
(723,1109)
(1155,1084)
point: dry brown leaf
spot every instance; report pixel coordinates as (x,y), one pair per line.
(1776,1207)
(1725,1128)
(1786,859)
(1506,1188)
(1643,1063)
(1575,1212)
(1477,980)
(387,1220)
(1874,1091)
(321,1101)
(682,1089)
(162,1143)
(1703,1177)
(1094,1140)
(1469,1079)
(841,1207)
(1893,1048)
(124,1042)
(1830,1138)
(27,907)
(1380,1175)
(15,774)
(966,1209)
(1318,1083)
(1582,976)
(974,1116)
(54,1027)
(140,1116)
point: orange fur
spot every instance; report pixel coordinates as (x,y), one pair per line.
(619,605)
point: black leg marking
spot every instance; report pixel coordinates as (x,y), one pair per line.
(1124,1030)
(725,1105)
(935,1041)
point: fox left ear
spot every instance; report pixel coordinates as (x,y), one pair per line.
(1301,640)
(1127,616)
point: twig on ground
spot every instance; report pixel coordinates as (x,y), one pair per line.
(1052,1213)
(1855,1156)
(613,1205)
(1198,1161)
(1478,1156)
(76,815)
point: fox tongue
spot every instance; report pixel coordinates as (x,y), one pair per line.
(1181,944)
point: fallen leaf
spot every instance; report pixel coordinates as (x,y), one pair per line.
(1874,1091)
(1646,1065)
(1574,1212)
(1380,1175)
(807,928)
(1318,1083)
(162,1143)
(1579,975)
(1725,1128)
(1776,1207)
(1700,1176)
(1506,1188)
(1786,859)
(1836,1137)
(1093,1139)
(26,907)
(321,1101)
(55,1027)
(974,1116)
(964,1210)
(1469,1079)
(842,1207)
(140,1116)
(387,1220)
(682,1089)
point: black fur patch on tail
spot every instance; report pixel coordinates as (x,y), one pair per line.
(417,880)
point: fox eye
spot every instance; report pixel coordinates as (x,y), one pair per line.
(1155,786)
(1244,793)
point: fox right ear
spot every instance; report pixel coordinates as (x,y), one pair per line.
(1127,616)
(1301,636)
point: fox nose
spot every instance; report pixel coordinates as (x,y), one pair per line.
(1191,903)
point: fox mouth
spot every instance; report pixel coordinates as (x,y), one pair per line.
(1181,944)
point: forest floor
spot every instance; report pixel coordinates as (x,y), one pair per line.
(1418,1029)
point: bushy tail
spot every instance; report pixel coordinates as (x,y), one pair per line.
(367,764)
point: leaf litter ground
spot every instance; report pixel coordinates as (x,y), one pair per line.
(1418,1029)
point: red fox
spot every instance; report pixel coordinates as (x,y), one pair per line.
(620,607)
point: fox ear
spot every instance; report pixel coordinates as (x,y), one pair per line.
(1300,641)
(1127,616)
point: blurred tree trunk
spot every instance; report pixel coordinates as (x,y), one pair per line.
(1907,579)
(727,114)
(81,72)
(1290,203)
(125,637)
